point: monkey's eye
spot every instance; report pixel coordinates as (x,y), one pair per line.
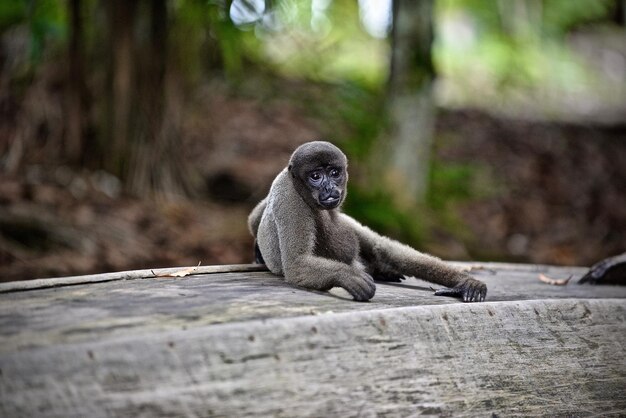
(335,172)
(315,176)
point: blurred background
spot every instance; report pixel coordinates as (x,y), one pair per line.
(139,134)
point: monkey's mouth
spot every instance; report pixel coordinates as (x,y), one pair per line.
(330,202)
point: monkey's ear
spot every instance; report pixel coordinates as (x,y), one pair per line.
(289,169)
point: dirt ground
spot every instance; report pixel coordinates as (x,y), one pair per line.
(553,193)
(560,188)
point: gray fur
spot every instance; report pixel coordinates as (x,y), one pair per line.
(319,248)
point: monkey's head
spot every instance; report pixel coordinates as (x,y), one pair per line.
(320,174)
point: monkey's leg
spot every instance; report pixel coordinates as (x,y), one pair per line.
(387,255)
(459,284)
(258,257)
(254,219)
(426,267)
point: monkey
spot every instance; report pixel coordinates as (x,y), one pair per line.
(301,234)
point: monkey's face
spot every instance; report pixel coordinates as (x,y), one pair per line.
(319,171)
(327,185)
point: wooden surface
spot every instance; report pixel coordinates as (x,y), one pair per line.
(235,341)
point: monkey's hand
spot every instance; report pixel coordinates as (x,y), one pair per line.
(361,287)
(468,290)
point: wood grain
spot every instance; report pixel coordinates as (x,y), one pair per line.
(247,344)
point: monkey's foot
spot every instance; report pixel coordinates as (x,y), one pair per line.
(470,290)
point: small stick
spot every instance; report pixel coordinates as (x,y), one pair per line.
(554,282)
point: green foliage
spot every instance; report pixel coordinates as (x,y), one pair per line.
(559,16)
(490,46)
(360,109)
(555,17)
(231,42)
(13,12)
(450,182)
(187,36)
(481,45)
(373,207)
(46,20)
(323,44)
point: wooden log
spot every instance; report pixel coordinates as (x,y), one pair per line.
(247,344)
(121,275)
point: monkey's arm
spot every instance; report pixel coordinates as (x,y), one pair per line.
(254,219)
(391,257)
(303,268)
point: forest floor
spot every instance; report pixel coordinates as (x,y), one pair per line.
(541,192)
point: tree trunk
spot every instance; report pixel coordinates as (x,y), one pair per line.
(121,25)
(76,87)
(143,126)
(156,165)
(410,104)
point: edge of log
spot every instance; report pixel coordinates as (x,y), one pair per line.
(45,283)
(543,357)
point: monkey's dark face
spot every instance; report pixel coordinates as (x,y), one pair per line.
(327,185)
(319,171)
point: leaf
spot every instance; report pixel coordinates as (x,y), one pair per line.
(474,267)
(179,273)
(554,282)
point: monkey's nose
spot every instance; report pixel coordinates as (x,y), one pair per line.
(330,194)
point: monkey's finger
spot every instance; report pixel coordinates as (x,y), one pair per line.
(371,290)
(479,295)
(352,288)
(360,297)
(360,290)
(356,294)
(370,284)
(364,295)
(455,293)
(368,291)
(473,297)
